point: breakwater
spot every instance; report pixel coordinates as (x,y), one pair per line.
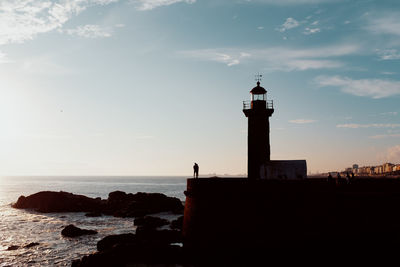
(235,216)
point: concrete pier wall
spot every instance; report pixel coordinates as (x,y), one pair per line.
(235,214)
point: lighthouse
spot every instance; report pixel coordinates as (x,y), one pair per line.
(258,111)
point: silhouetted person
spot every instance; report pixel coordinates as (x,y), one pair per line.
(339,178)
(348,178)
(352,175)
(330,178)
(195,170)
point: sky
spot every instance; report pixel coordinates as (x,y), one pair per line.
(148,87)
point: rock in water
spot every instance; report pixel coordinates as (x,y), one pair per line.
(48,201)
(31,245)
(150,221)
(118,204)
(177,224)
(140,204)
(109,241)
(73,231)
(93,214)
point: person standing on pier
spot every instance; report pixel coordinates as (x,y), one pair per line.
(196,170)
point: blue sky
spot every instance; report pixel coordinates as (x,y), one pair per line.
(147,87)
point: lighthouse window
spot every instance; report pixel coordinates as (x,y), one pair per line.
(258,97)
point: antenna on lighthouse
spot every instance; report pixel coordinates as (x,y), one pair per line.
(258,77)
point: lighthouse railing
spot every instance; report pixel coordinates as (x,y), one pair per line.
(269,104)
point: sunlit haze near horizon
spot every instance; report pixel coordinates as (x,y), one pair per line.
(148,87)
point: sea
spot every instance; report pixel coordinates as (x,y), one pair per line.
(21,227)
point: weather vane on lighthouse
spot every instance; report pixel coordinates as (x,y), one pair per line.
(258,77)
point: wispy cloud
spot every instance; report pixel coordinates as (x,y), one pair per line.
(374,88)
(302,121)
(371,125)
(382,136)
(3,58)
(308,31)
(290,23)
(22,20)
(390,113)
(385,23)
(388,54)
(277,58)
(393,153)
(293,2)
(90,31)
(151,4)
(388,72)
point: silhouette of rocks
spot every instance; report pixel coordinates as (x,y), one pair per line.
(48,201)
(147,246)
(118,204)
(177,224)
(150,221)
(33,244)
(13,247)
(73,231)
(140,204)
(109,241)
(93,214)
(134,254)
(162,236)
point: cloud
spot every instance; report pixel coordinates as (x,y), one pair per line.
(388,54)
(151,4)
(388,73)
(90,31)
(391,113)
(382,136)
(3,58)
(277,58)
(387,23)
(374,88)
(371,125)
(22,20)
(302,121)
(308,31)
(290,23)
(293,2)
(393,153)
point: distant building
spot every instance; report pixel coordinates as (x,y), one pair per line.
(388,167)
(355,166)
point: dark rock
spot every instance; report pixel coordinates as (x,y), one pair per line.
(73,231)
(162,236)
(13,247)
(118,203)
(150,221)
(121,204)
(138,252)
(93,214)
(48,201)
(31,245)
(111,240)
(177,224)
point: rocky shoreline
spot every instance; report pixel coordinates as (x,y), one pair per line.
(156,241)
(118,203)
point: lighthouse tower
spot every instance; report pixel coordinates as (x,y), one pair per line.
(258,111)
